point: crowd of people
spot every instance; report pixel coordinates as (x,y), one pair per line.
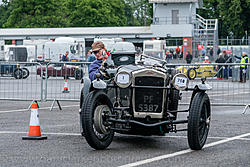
(98,54)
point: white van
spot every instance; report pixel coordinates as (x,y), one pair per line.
(19,53)
(39,47)
(155,49)
(53,51)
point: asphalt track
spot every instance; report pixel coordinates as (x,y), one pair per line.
(228,143)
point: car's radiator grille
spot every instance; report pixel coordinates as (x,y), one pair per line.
(147,99)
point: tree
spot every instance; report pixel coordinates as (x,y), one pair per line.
(233,16)
(36,13)
(141,10)
(5,12)
(85,13)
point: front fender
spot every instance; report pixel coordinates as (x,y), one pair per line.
(204,86)
(85,89)
(199,88)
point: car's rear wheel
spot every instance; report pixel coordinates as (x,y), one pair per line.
(199,121)
(96,129)
(44,76)
(18,73)
(78,74)
(26,73)
(191,73)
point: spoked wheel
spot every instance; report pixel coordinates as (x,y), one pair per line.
(18,73)
(199,121)
(26,73)
(97,130)
(191,73)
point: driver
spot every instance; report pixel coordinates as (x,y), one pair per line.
(99,51)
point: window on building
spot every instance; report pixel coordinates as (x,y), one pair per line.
(175,16)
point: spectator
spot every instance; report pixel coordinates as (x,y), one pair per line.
(206,60)
(219,68)
(218,51)
(99,51)
(226,57)
(178,51)
(203,52)
(168,56)
(211,52)
(65,57)
(189,58)
(243,68)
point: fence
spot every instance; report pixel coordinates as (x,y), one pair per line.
(19,81)
(46,82)
(224,80)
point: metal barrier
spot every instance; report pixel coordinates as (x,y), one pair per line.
(59,75)
(47,82)
(224,79)
(18,81)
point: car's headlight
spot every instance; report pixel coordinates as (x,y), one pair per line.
(180,81)
(123,79)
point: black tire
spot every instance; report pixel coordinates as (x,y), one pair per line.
(65,77)
(26,73)
(18,73)
(174,97)
(44,77)
(199,121)
(81,98)
(95,139)
(191,73)
(78,74)
(81,104)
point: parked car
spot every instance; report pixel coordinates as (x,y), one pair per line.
(13,70)
(141,100)
(60,70)
(198,71)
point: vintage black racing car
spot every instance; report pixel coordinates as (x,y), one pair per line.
(141,100)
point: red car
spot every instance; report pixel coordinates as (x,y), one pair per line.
(64,71)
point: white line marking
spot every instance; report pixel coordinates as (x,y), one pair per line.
(44,108)
(150,160)
(119,135)
(46,133)
(168,136)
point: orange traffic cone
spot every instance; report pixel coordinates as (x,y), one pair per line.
(34,127)
(65,89)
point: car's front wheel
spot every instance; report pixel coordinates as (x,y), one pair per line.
(18,73)
(78,74)
(97,130)
(199,121)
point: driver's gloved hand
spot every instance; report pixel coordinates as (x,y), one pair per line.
(102,68)
(105,65)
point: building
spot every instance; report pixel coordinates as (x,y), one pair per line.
(171,19)
(174,18)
